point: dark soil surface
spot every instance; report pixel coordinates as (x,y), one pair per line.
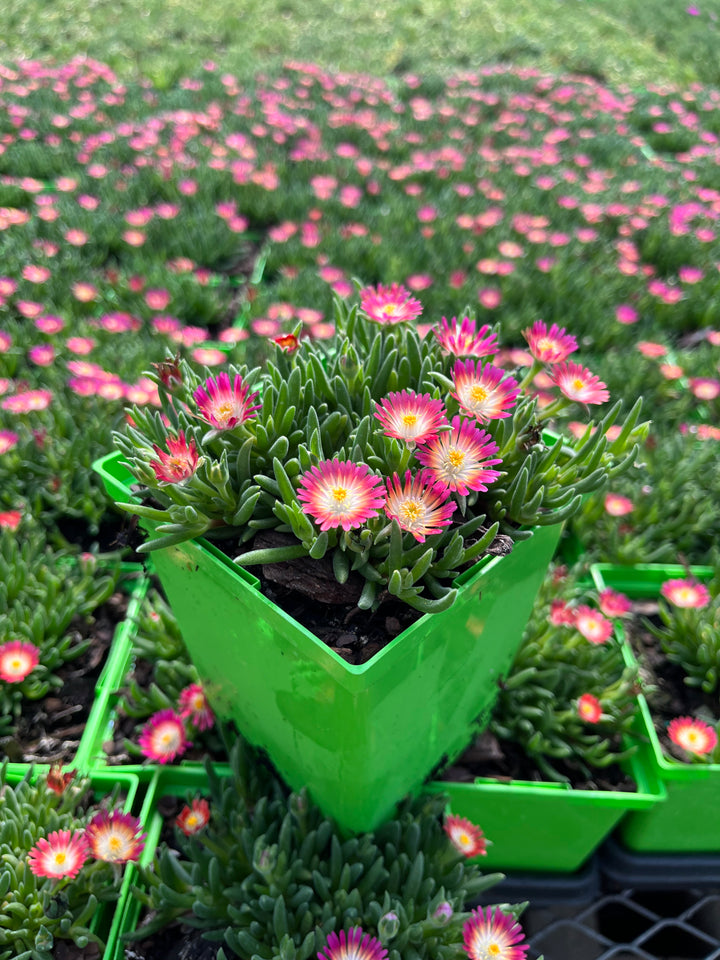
(49,730)
(176,942)
(502,760)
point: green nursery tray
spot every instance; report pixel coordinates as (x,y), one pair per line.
(687,822)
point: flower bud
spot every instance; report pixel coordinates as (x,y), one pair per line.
(442,913)
(388,926)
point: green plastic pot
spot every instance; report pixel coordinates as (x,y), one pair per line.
(108,921)
(359,737)
(687,822)
(548,827)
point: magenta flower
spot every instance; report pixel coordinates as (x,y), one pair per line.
(28,401)
(8,440)
(549,346)
(409,416)
(340,493)
(420,506)
(578,384)
(163,738)
(485,393)
(177,465)
(224,406)
(459,458)
(467,838)
(490,933)
(693,736)
(463,340)
(61,854)
(592,624)
(353,945)
(389,305)
(194,707)
(687,594)
(115,837)
(618,506)
(18,659)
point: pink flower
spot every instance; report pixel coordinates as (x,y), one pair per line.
(578,384)
(28,401)
(179,463)
(18,659)
(192,819)
(561,613)
(420,506)
(224,406)
(163,738)
(340,493)
(193,706)
(463,340)
(62,854)
(693,736)
(389,305)
(459,458)
(8,440)
(484,392)
(465,836)
(617,505)
(490,933)
(589,708)
(10,519)
(414,418)
(626,314)
(704,388)
(353,945)
(686,594)
(115,837)
(614,604)
(592,624)
(287,342)
(549,346)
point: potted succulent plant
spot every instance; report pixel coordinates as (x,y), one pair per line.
(381,480)
(673,635)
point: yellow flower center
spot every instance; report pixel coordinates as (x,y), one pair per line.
(60,857)
(544,344)
(390,309)
(115,844)
(16,664)
(578,384)
(409,420)
(456,458)
(478,394)
(464,840)
(493,950)
(192,820)
(411,510)
(339,494)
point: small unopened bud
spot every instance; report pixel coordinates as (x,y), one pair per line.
(442,914)
(265,859)
(388,926)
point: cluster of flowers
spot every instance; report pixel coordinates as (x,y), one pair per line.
(165,737)
(111,836)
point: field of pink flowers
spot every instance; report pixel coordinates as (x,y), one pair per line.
(208,218)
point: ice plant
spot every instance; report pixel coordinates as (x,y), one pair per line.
(685,593)
(192,819)
(163,737)
(419,504)
(589,708)
(18,658)
(115,837)
(461,459)
(389,305)
(693,736)
(618,506)
(614,604)
(224,405)
(578,384)
(549,346)
(178,463)
(465,836)
(484,392)
(490,934)
(60,855)
(193,706)
(338,493)
(592,624)
(353,945)
(464,340)
(414,418)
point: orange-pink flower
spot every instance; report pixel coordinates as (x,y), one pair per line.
(693,736)
(467,838)
(592,624)
(617,505)
(461,458)
(61,854)
(686,593)
(193,706)
(409,416)
(484,392)
(420,504)
(614,604)
(180,463)
(192,819)
(115,837)
(340,493)
(578,384)
(589,708)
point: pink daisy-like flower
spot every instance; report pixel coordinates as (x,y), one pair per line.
(561,613)
(463,340)
(686,593)
(420,506)
(409,416)
(617,505)
(389,305)
(163,738)
(61,854)
(589,708)
(693,736)
(28,401)
(704,388)
(340,493)
(459,458)
(177,465)
(287,342)
(465,836)
(18,659)
(224,406)
(485,392)
(192,819)
(8,440)
(353,945)
(578,384)
(614,604)
(490,934)
(115,837)
(193,706)
(549,346)
(592,624)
